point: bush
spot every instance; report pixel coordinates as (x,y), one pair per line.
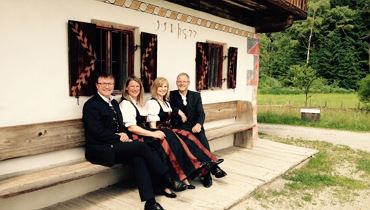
(364,92)
(364,89)
(270,85)
(266,81)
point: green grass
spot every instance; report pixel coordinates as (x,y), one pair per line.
(338,111)
(333,100)
(364,165)
(322,172)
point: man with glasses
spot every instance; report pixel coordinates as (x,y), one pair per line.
(107,143)
(188,114)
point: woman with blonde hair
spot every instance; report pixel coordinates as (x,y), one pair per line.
(134,118)
(193,157)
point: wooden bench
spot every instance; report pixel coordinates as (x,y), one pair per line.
(18,142)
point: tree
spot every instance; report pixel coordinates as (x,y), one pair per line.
(303,78)
(364,90)
(282,55)
(314,7)
(330,41)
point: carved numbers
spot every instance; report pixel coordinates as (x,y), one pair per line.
(182,33)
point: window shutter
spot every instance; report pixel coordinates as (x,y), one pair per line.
(201,65)
(82,57)
(231,67)
(220,61)
(148,59)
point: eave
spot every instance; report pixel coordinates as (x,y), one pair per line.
(264,15)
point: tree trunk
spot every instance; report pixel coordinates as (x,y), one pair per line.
(310,37)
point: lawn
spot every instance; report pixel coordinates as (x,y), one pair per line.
(334,100)
(337,176)
(338,111)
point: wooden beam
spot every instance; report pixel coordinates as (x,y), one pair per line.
(23,140)
(266,15)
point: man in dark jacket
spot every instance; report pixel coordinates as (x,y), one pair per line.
(107,143)
(188,114)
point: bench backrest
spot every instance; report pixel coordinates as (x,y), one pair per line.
(32,139)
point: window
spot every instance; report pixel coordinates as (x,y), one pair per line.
(97,48)
(209,61)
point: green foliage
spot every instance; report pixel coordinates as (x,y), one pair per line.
(266,81)
(281,54)
(303,78)
(364,89)
(336,51)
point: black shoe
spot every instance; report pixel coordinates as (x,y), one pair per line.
(203,169)
(178,186)
(190,186)
(169,195)
(218,172)
(206,180)
(209,166)
(153,206)
(219,161)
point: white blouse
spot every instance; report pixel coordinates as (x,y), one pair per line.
(129,112)
(153,109)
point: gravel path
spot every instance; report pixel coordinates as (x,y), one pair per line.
(355,140)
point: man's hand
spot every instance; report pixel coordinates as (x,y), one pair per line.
(183,116)
(123,137)
(197,128)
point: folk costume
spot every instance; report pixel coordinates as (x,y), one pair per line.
(193,157)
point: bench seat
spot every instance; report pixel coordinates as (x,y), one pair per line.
(47,178)
(241,126)
(218,132)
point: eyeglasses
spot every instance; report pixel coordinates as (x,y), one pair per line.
(181,82)
(105,84)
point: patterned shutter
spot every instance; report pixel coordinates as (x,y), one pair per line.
(148,60)
(201,65)
(82,57)
(220,61)
(231,67)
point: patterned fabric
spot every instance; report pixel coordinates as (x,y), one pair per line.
(148,60)
(194,152)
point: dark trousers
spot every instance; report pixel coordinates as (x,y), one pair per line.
(203,139)
(146,164)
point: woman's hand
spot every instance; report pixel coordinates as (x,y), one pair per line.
(123,137)
(159,134)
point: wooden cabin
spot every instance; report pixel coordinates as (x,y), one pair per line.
(51,50)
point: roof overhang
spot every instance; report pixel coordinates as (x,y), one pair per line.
(264,15)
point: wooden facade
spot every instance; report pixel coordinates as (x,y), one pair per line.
(264,15)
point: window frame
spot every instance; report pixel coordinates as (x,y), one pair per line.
(121,76)
(204,59)
(88,51)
